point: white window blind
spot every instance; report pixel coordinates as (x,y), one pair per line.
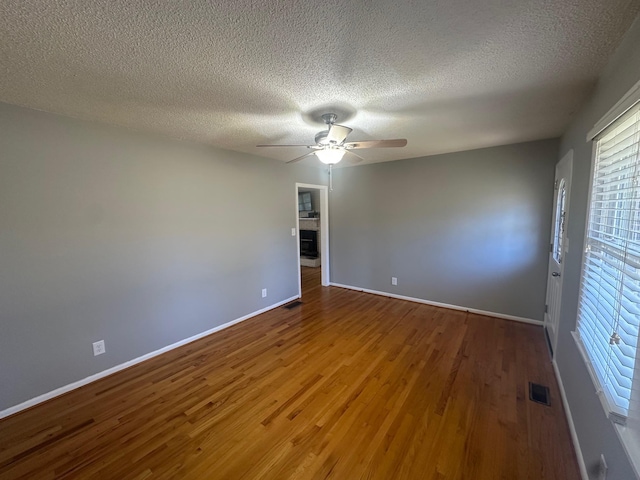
(609,306)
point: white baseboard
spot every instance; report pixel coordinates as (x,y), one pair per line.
(572,427)
(443,305)
(105,373)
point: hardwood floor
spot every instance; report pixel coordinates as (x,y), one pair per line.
(346,386)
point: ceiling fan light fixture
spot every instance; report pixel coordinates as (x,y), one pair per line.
(330,155)
(331,143)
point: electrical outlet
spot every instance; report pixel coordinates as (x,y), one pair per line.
(264,292)
(98,348)
(602,470)
(293,232)
(394,281)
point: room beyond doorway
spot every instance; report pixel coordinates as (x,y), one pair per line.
(312,219)
(310,281)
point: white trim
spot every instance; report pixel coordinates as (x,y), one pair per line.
(105,373)
(443,305)
(572,427)
(568,159)
(325,273)
(625,103)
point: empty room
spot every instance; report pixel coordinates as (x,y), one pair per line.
(320,240)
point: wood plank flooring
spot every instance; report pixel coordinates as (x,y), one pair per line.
(346,386)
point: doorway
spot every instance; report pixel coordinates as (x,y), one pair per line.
(312,220)
(559,246)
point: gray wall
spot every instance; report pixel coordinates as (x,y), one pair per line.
(595,431)
(469,229)
(138,240)
(315,196)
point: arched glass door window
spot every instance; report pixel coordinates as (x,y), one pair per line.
(558,233)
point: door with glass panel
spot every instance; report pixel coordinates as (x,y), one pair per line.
(558,247)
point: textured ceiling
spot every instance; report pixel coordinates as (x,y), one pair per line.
(447,75)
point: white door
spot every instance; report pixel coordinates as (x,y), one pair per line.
(558,248)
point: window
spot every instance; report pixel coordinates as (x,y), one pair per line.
(304,202)
(609,304)
(558,228)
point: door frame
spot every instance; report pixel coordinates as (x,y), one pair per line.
(567,158)
(324,234)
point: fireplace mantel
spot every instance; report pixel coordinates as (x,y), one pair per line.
(310,224)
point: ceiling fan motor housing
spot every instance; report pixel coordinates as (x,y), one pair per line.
(321,137)
(329,118)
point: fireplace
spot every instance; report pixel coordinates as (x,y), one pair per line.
(309,243)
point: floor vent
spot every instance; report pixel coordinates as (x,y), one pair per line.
(539,393)
(292,305)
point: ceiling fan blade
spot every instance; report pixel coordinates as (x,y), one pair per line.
(302,157)
(306,146)
(398,142)
(337,133)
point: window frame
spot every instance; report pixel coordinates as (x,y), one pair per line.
(559,226)
(609,226)
(303,202)
(614,413)
(629,435)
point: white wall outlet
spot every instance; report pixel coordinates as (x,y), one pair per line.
(394,280)
(98,348)
(602,472)
(293,232)
(264,292)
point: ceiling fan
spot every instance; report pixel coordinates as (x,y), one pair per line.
(330,144)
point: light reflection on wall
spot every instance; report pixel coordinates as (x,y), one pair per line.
(469,229)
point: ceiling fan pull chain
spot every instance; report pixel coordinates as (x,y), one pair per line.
(330,178)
